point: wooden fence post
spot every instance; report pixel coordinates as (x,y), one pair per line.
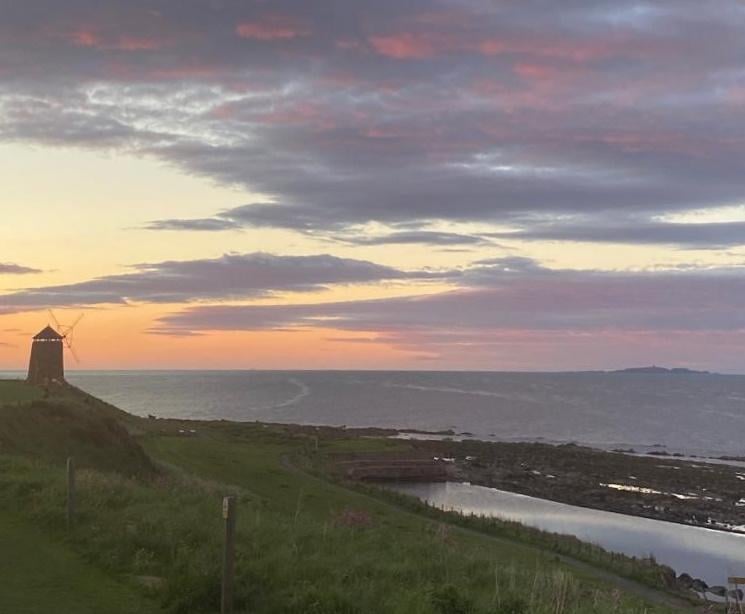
(70,512)
(228,565)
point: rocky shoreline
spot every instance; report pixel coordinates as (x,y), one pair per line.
(659,487)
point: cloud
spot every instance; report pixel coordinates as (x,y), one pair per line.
(231,277)
(272,28)
(206,224)
(7,268)
(413,237)
(400,112)
(643,232)
(405,46)
(511,295)
(236,219)
(513,313)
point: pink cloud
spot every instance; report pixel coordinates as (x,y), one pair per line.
(90,37)
(425,44)
(273,28)
(85,37)
(534,72)
(404,46)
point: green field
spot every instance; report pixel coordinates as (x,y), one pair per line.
(305,543)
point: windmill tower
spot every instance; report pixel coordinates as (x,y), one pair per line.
(47,363)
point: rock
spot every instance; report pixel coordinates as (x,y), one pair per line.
(685,580)
(699,585)
(719,591)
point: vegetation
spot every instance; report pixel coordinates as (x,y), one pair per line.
(43,575)
(644,570)
(305,545)
(54,429)
(16,391)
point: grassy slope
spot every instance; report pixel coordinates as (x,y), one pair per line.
(42,574)
(257,464)
(305,545)
(16,391)
(66,424)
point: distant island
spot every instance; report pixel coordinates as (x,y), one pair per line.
(654,369)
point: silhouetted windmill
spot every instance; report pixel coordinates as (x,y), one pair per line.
(47,363)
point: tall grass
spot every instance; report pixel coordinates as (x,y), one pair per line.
(166,534)
(644,570)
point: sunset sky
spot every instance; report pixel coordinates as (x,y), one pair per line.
(418,184)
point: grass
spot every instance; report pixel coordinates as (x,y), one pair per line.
(305,545)
(40,575)
(645,571)
(256,466)
(17,391)
(55,429)
(296,560)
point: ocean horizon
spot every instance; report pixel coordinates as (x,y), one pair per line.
(690,413)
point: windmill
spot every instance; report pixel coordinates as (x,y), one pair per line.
(67,332)
(47,362)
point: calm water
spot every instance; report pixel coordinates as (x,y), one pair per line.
(704,553)
(687,413)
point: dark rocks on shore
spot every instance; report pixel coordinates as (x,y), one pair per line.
(719,591)
(662,487)
(699,586)
(685,580)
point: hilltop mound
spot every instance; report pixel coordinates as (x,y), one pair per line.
(70,423)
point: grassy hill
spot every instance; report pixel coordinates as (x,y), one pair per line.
(149,516)
(16,391)
(67,423)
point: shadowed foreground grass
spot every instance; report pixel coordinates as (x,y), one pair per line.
(40,576)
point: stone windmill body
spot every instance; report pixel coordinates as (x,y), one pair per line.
(47,363)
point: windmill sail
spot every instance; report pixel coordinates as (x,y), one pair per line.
(66,332)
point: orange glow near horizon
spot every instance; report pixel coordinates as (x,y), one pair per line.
(119,339)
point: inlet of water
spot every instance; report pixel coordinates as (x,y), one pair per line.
(704,553)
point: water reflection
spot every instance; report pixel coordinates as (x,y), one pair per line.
(704,553)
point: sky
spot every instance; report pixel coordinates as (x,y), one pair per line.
(398,184)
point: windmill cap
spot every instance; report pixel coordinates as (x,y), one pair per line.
(48,334)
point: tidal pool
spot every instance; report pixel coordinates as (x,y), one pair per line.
(704,553)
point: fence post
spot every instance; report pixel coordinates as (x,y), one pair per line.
(70,512)
(228,565)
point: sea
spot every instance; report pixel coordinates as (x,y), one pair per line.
(686,413)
